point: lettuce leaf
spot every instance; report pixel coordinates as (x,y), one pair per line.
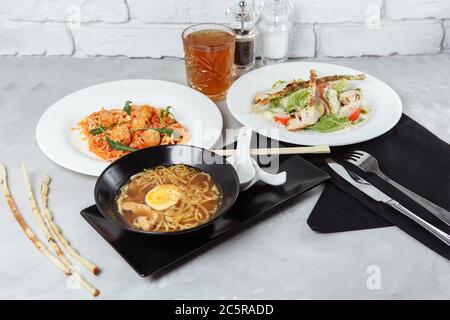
(275,103)
(359,121)
(296,100)
(277,83)
(333,101)
(340,86)
(330,123)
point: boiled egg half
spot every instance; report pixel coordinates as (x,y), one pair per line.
(163,197)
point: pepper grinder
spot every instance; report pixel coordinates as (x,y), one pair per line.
(275,26)
(242,18)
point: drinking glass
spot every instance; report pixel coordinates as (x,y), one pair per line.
(209,53)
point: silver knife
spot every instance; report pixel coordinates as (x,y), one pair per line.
(379,196)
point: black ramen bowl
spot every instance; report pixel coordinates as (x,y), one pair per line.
(119,172)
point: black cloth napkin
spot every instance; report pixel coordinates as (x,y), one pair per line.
(409,154)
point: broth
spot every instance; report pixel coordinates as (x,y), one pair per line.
(169,198)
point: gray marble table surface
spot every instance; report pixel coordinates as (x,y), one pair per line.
(277,258)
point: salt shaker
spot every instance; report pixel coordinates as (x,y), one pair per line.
(242,18)
(275,26)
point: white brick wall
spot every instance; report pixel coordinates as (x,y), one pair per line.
(329,11)
(417,9)
(446,44)
(304,44)
(152,41)
(411,37)
(31,39)
(61,10)
(179,11)
(151,28)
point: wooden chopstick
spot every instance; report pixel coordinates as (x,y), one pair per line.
(276,151)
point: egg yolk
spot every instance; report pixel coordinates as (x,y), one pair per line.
(163,197)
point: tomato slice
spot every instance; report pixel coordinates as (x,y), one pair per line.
(355,114)
(283,120)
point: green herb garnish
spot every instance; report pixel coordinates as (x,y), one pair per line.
(167,131)
(98,130)
(118,146)
(164,112)
(127,107)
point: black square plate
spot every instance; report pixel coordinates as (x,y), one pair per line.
(153,255)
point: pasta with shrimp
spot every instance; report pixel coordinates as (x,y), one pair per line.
(114,133)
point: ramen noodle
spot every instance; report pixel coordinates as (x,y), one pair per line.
(169,198)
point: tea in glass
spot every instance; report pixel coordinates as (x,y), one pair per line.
(209,55)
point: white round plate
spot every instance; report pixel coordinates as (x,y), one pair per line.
(384,102)
(67,148)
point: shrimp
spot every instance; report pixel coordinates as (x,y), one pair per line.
(145,111)
(106,118)
(149,138)
(142,117)
(120,134)
(140,122)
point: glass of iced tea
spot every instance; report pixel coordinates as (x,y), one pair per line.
(209,54)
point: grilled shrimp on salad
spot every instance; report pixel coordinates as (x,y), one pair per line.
(324,104)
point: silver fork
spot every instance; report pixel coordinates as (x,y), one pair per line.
(368,163)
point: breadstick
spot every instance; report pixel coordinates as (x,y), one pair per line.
(37,214)
(45,229)
(57,231)
(24,226)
